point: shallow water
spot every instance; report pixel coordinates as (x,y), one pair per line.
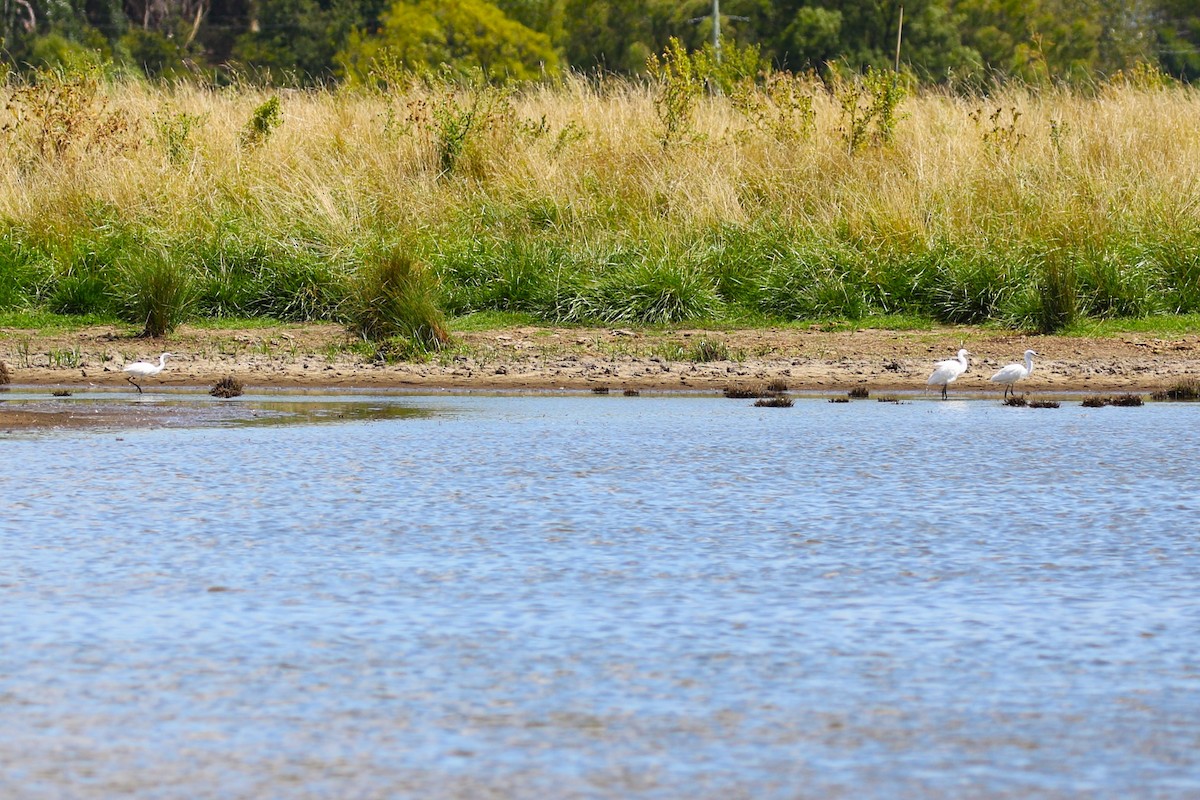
(578,596)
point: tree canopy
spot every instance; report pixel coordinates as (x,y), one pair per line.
(312,41)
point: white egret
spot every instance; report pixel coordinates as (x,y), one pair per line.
(947,372)
(1012,373)
(144,369)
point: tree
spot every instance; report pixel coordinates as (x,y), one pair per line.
(298,40)
(862,33)
(465,35)
(1177,34)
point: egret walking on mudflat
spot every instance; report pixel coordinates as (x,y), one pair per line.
(947,372)
(1012,373)
(144,369)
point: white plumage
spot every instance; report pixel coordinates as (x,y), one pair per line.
(947,372)
(144,369)
(1011,373)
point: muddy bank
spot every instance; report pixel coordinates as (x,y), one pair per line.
(317,356)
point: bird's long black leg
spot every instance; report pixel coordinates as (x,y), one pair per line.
(945,386)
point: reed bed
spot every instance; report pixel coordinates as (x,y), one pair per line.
(1027,208)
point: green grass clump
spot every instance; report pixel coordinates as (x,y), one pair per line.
(707,350)
(393,298)
(1186,389)
(157,293)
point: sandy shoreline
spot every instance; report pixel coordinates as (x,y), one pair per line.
(322,357)
(315,356)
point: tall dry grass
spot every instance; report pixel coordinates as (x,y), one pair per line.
(1028,207)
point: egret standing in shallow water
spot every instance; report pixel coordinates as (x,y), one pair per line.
(144,369)
(1012,373)
(947,372)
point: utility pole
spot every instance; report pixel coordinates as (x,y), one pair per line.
(899,31)
(717,29)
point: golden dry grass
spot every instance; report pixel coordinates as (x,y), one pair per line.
(342,161)
(582,165)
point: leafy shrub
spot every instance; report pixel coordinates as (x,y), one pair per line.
(680,79)
(868,105)
(265,119)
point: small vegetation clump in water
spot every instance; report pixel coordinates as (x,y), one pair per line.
(1016,402)
(777,385)
(60,393)
(1187,389)
(1125,400)
(858,393)
(839,399)
(228,386)
(745,391)
(599,390)
(1043,404)
(631,393)
(773,402)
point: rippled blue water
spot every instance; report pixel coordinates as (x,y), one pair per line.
(565,596)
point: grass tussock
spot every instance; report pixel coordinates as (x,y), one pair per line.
(157,293)
(227,387)
(746,391)
(1043,404)
(1016,402)
(773,402)
(1187,389)
(393,298)
(1126,400)
(858,393)
(1122,400)
(159,203)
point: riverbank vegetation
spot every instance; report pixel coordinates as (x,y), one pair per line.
(752,199)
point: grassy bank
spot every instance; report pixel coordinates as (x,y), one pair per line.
(1036,210)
